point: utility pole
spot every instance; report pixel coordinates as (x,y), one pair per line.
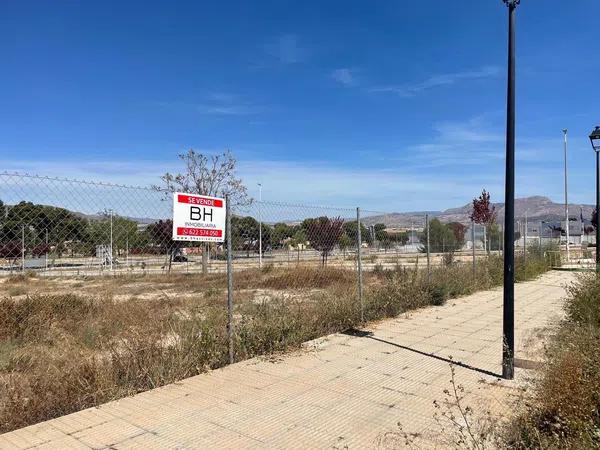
(566,199)
(508,315)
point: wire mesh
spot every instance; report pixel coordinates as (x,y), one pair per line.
(297,272)
(61,226)
(282,235)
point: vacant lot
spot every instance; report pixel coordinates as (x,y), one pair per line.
(77,266)
(67,344)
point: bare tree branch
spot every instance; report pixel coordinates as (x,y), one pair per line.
(214,176)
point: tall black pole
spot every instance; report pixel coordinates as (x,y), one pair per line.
(597,210)
(508,338)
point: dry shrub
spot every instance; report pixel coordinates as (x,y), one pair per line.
(59,369)
(308,277)
(21,277)
(43,385)
(63,353)
(564,411)
(269,277)
(584,308)
(145,359)
(403,291)
(33,317)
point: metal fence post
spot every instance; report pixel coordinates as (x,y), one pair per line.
(359,265)
(111,241)
(525,241)
(46,252)
(502,240)
(428,262)
(22,248)
(229,280)
(473,244)
(540,237)
(484,240)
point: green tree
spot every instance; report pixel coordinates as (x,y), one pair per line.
(351,229)
(441,238)
(161,236)
(399,237)
(281,233)
(345,243)
(382,237)
(244,234)
(493,236)
(60,226)
(125,233)
(459,232)
(299,238)
(323,234)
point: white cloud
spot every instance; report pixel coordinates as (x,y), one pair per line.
(448,170)
(216,103)
(286,49)
(228,109)
(344,76)
(389,189)
(410,90)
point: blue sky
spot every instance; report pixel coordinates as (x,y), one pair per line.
(394,106)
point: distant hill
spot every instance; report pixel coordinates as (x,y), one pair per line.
(139,220)
(536,207)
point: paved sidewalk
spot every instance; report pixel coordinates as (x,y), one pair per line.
(342,392)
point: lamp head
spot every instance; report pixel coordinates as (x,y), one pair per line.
(595,139)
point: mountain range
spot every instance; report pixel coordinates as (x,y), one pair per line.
(536,208)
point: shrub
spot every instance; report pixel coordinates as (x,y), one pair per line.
(564,411)
(439,295)
(62,353)
(448,258)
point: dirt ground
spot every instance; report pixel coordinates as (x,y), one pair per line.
(251,285)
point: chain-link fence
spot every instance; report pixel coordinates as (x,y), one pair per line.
(57,226)
(101,293)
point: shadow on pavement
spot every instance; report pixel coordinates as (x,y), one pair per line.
(369,335)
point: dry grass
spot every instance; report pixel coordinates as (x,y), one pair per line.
(564,410)
(71,344)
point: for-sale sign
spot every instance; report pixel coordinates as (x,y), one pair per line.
(198,218)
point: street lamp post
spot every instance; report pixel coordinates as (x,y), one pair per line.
(595,140)
(566,200)
(508,316)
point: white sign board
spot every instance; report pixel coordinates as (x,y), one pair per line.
(198,218)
